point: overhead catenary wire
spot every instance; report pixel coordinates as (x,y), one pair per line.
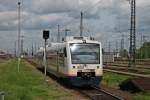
(82,16)
(84,12)
(76,19)
(93,6)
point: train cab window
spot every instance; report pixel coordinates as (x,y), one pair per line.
(85,53)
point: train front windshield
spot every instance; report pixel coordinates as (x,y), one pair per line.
(85,53)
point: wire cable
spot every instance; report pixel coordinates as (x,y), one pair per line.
(93,6)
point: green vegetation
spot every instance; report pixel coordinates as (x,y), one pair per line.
(28,84)
(142,96)
(113,80)
(143,52)
(124,53)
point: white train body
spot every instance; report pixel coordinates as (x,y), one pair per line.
(78,59)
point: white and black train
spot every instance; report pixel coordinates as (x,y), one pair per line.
(77,59)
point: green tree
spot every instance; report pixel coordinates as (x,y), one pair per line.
(124,53)
(144,51)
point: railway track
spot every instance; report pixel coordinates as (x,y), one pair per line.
(125,69)
(96,93)
(126,66)
(137,72)
(127,73)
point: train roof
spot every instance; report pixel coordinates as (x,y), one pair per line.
(72,38)
(56,46)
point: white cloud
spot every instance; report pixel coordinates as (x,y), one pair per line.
(8,16)
(53,6)
(106,18)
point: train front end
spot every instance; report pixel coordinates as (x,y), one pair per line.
(85,62)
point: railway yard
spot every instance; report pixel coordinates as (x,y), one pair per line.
(63,73)
(33,78)
(113,78)
(32,85)
(74,50)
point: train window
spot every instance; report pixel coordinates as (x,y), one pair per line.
(85,53)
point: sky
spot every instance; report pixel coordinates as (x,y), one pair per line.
(105,20)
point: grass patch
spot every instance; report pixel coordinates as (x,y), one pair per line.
(113,80)
(28,84)
(142,96)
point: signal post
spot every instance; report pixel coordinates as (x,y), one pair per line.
(45,37)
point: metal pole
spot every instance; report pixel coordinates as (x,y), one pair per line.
(81,24)
(66,32)
(15,49)
(134,33)
(116,48)
(58,37)
(19,32)
(122,46)
(132,49)
(141,46)
(32,50)
(21,46)
(45,37)
(57,62)
(45,62)
(109,47)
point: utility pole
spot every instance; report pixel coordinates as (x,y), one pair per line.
(122,45)
(132,49)
(27,52)
(109,47)
(35,48)
(122,42)
(81,24)
(32,53)
(15,51)
(19,32)
(141,46)
(117,46)
(58,37)
(21,45)
(66,32)
(116,53)
(144,39)
(141,39)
